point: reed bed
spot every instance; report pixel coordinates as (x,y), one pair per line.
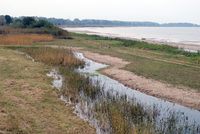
(50,56)
(116,112)
(23,39)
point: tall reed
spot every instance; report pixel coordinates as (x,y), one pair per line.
(61,57)
(117,113)
(22,39)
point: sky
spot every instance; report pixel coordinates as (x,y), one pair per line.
(161,11)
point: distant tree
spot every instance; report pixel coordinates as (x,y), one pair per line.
(8,19)
(41,23)
(77,21)
(48,25)
(28,21)
(18,20)
(38,24)
(2,21)
(17,24)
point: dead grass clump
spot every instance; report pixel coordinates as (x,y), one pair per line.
(23,39)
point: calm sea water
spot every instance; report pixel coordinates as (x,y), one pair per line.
(182,35)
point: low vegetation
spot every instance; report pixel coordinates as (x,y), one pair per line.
(56,32)
(140,44)
(54,57)
(115,112)
(28,103)
(161,68)
(22,39)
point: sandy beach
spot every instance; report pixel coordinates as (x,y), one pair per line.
(179,45)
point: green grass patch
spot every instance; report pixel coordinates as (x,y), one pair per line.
(119,42)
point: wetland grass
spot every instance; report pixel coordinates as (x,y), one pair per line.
(50,56)
(23,39)
(116,113)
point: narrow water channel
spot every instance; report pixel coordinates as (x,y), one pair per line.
(191,116)
(186,115)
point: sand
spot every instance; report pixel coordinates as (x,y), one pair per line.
(179,45)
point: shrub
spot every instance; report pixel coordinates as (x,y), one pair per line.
(18,20)
(2,21)
(28,21)
(17,24)
(58,32)
(41,23)
(48,25)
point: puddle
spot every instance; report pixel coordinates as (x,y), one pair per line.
(58,79)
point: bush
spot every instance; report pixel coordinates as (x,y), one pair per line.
(2,21)
(28,21)
(17,25)
(37,24)
(57,32)
(48,25)
(18,20)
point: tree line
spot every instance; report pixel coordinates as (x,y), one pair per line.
(93,22)
(25,22)
(16,22)
(35,26)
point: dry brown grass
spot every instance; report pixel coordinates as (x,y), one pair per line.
(52,56)
(23,39)
(28,104)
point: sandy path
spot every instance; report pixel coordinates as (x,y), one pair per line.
(183,96)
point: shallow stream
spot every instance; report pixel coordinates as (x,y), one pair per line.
(166,108)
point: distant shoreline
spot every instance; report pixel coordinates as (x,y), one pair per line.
(115,26)
(192,47)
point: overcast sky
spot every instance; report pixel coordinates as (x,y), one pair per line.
(161,11)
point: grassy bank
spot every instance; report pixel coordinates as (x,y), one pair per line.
(119,42)
(116,113)
(161,69)
(28,104)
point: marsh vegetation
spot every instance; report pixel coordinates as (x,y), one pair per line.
(114,112)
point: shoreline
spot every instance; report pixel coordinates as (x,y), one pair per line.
(181,95)
(192,47)
(185,96)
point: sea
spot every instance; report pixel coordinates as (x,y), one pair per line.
(180,35)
